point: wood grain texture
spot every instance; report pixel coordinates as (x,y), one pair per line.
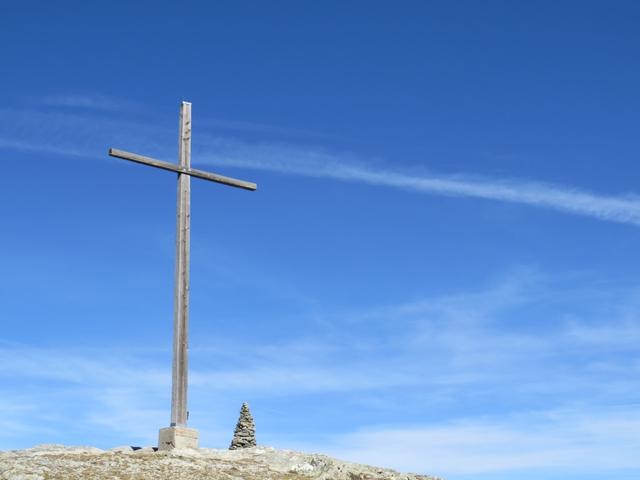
(180,364)
(192,172)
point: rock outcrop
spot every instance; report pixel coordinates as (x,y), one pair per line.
(244,435)
(55,462)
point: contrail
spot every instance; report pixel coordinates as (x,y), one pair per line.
(70,134)
(297,161)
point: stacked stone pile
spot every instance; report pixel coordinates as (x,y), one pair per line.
(244,435)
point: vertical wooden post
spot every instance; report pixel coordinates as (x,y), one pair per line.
(181,300)
(177,435)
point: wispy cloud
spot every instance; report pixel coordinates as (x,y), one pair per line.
(92,101)
(318,163)
(25,146)
(274,130)
(58,133)
(564,441)
(435,357)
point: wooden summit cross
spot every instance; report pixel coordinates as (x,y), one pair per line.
(177,435)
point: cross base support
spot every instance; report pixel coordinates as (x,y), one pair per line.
(177,437)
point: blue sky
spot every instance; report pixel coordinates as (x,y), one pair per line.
(438,273)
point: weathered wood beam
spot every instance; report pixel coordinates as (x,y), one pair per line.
(212,177)
(181,300)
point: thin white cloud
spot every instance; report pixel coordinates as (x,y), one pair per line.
(320,164)
(618,335)
(441,353)
(25,146)
(262,128)
(93,101)
(71,134)
(76,367)
(570,441)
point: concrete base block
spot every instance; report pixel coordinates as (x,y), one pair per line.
(177,437)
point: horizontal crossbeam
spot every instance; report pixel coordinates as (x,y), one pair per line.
(212,177)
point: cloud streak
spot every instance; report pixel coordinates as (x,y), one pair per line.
(59,133)
(564,391)
(98,102)
(320,164)
(565,441)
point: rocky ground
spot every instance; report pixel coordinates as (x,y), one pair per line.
(55,462)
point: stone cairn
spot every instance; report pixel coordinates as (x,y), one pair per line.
(245,434)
